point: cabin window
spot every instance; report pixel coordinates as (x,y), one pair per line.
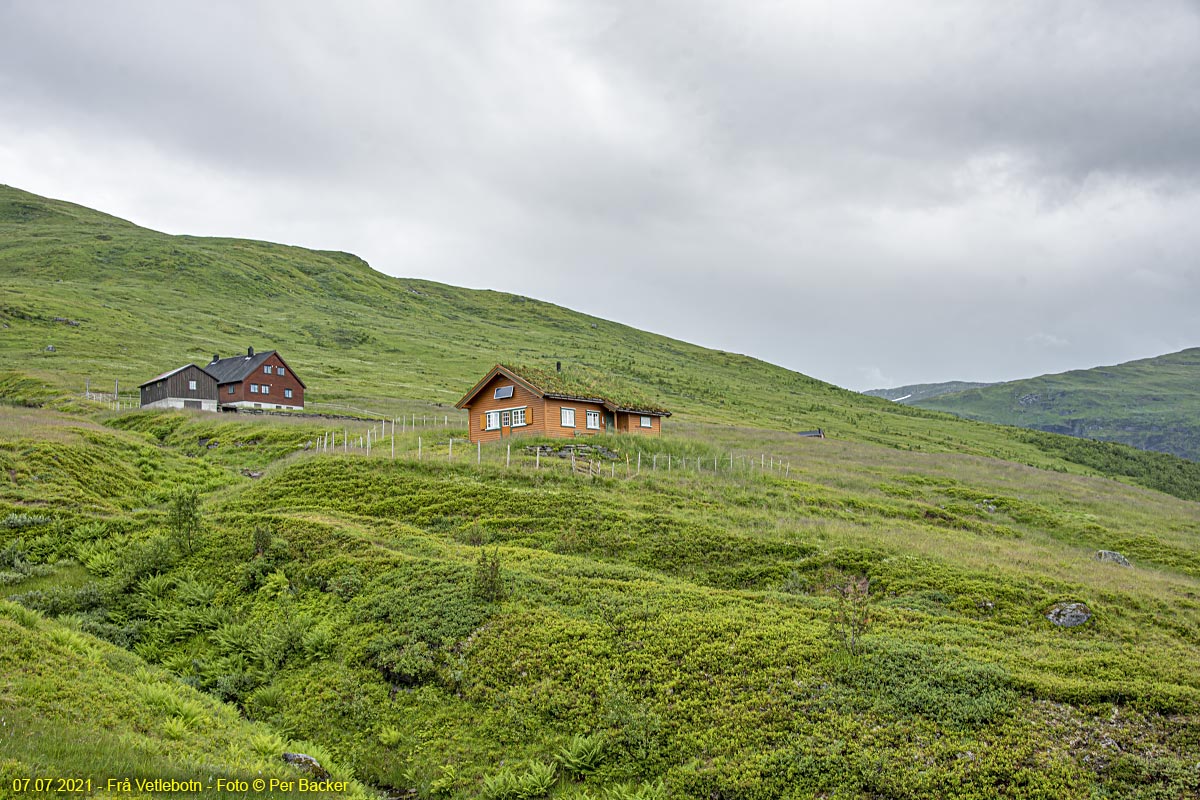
(568,417)
(280,371)
(191,386)
(266,389)
(505,419)
(491,421)
(503,393)
(287,392)
(254,388)
(518,417)
(231,388)
(267,370)
(593,420)
(647,422)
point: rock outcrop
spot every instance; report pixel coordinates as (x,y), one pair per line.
(1068,615)
(1112,557)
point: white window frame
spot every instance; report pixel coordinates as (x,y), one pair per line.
(231,388)
(287,393)
(267,369)
(265,388)
(280,371)
(565,414)
(254,388)
(517,416)
(191,386)
(593,420)
(647,422)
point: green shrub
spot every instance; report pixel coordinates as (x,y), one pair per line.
(183,518)
(504,785)
(488,583)
(391,736)
(582,755)
(643,791)
(538,780)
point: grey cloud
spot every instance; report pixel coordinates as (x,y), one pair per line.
(909,193)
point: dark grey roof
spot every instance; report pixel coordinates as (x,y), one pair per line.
(172,372)
(237,368)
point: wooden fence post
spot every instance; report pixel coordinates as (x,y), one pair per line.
(508,456)
(418,448)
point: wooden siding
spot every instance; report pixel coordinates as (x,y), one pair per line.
(542,417)
(275,382)
(176,386)
(632,423)
(485,401)
(554,425)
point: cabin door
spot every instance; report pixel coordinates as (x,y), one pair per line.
(610,422)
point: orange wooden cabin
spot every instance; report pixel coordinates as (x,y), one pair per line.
(516,401)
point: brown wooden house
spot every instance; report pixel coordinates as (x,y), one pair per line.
(519,400)
(256,380)
(262,380)
(188,386)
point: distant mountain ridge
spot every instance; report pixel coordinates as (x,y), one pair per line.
(914,393)
(1150,403)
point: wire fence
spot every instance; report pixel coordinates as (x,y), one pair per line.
(124,401)
(384,440)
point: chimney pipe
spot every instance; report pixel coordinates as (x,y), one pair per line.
(558,366)
(249,351)
(216,357)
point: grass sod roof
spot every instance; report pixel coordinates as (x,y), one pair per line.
(581,383)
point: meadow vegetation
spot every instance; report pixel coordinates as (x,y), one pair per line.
(728,612)
(469,629)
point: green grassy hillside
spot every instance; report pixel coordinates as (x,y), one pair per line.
(1152,404)
(726,612)
(79,712)
(916,392)
(664,634)
(122,303)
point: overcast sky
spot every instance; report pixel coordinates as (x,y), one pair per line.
(869,193)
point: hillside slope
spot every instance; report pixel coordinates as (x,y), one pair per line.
(1152,403)
(916,392)
(673,626)
(725,611)
(122,303)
